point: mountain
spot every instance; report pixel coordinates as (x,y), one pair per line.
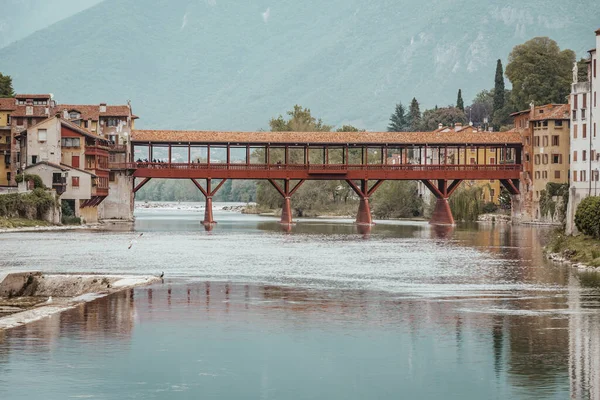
(20,18)
(215,64)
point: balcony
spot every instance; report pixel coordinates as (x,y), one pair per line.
(96,191)
(59,187)
(581,87)
(5,147)
(117,148)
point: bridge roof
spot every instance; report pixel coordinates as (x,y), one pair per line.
(297,138)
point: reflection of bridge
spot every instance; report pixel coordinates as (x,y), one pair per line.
(287,159)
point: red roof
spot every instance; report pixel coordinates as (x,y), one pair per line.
(340,138)
(7,104)
(33,96)
(552,111)
(92,112)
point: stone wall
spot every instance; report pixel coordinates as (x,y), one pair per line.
(119,203)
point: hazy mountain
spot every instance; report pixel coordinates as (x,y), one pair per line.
(20,18)
(216,64)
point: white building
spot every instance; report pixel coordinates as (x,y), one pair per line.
(585,139)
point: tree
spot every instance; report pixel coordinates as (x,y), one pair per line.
(582,70)
(300,120)
(460,104)
(398,121)
(481,108)
(6,88)
(447,116)
(414,116)
(348,128)
(540,72)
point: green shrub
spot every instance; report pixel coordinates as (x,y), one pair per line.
(489,208)
(37,181)
(32,205)
(70,220)
(587,217)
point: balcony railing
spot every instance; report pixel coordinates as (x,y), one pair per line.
(118,148)
(333,168)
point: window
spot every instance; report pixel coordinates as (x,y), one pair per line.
(584,106)
(527,158)
(111,176)
(21,102)
(574,115)
(575,131)
(595,104)
(544,174)
(584,131)
(8,176)
(536,141)
(595,68)
(527,140)
(545,123)
(583,113)
(70,142)
(575,107)
(593,155)
(545,141)
(575,156)
(555,140)
(74,115)
(20,121)
(594,129)
(584,155)
(492,160)
(558,123)
(75,181)
(473,160)
(112,121)
(583,176)
(537,174)
(556,158)
(574,175)
(492,193)
(34,159)
(42,135)
(537,159)
(545,159)
(40,102)
(556,174)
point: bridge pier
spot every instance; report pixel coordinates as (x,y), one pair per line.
(363,217)
(286,193)
(208,195)
(442,214)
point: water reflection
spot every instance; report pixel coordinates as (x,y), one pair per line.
(536,345)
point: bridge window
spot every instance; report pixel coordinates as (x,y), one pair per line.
(296,155)
(375,154)
(140,152)
(237,155)
(198,154)
(160,153)
(336,155)
(218,154)
(258,155)
(179,154)
(277,155)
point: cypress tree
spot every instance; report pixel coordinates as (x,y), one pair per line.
(460,104)
(499,88)
(398,121)
(414,116)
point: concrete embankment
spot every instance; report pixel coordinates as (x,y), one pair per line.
(29,296)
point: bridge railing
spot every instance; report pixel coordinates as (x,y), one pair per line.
(327,168)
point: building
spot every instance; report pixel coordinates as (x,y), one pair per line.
(70,159)
(490,189)
(546,144)
(585,143)
(7,106)
(114,123)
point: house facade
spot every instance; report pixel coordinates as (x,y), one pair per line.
(585,142)
(545,131)
(7,106)
(72,160)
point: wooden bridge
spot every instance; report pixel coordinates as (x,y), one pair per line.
(363,159)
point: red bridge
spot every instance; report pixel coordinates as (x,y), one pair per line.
(363,159)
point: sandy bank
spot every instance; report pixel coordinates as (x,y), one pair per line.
(29,296)
(49,228)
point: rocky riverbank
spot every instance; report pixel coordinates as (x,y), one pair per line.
(29,296)
(581,252)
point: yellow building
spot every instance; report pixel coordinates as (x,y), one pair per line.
(6,107)
(491,188)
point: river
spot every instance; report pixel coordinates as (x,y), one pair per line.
(322,312)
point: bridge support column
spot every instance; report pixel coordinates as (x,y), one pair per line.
(286,193)
(442,214)
(208,193)
(363,217)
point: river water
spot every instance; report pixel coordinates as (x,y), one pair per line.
(248,311)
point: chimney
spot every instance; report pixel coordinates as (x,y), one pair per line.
(457,127)
(65,114)
(102,107)
(440,126)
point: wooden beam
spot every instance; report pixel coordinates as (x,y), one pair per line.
(204,192)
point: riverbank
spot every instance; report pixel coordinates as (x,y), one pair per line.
(40,226)
(580,251)
(30,296)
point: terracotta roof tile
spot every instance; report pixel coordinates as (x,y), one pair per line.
(326,137)
(92,112)
(33,96)
(7,104)
(38,111)
(552,111)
